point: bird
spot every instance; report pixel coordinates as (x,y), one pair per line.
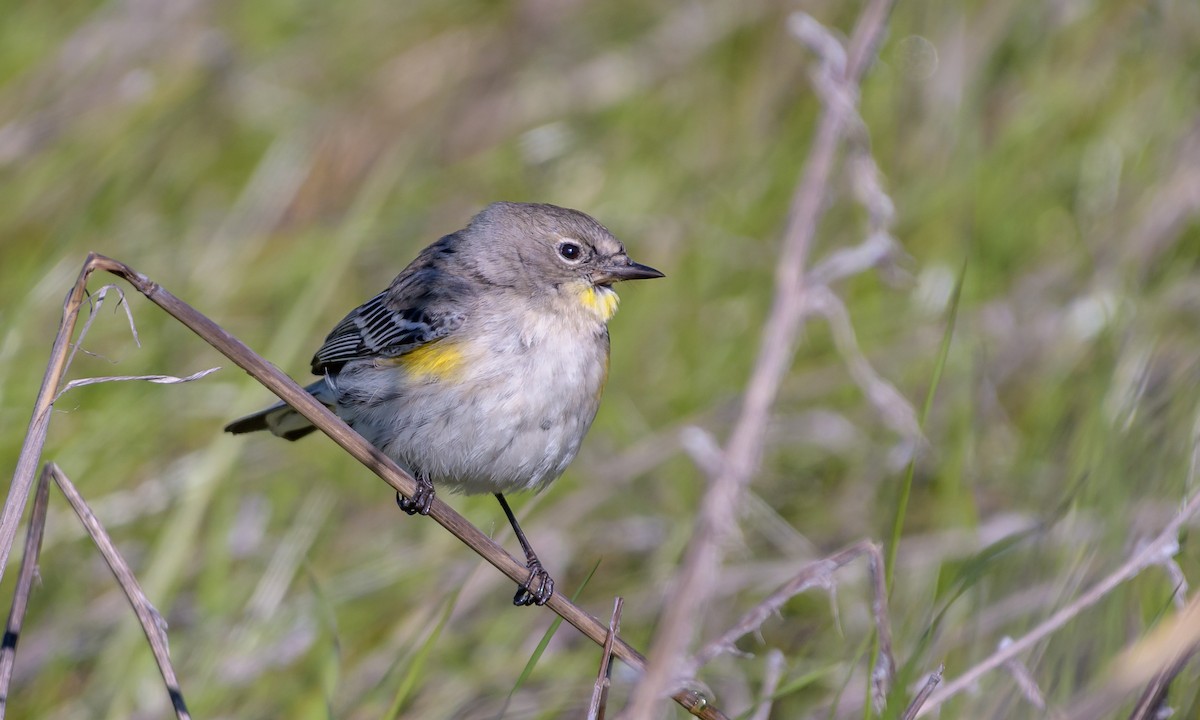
(480,368)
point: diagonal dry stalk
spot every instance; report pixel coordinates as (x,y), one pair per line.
(817,574)
(1152,703)
(1026,682)
(35,436)
(772,676)
(604,675)
(148,617)
(716,523)
(152,623)
(1165,544)
(927,689)
(1154,660)
(321,417)
(16,614)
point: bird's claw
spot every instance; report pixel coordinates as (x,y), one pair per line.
(537,589)
(420,502)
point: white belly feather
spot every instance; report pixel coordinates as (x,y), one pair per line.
(512,417)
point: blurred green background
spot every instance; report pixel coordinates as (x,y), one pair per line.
(276,163)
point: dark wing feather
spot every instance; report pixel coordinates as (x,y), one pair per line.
(424,303)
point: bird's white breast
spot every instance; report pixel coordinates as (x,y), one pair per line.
(512,414)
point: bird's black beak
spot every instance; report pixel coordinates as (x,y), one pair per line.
(620,267)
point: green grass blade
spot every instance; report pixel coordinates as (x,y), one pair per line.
(792,686)
(906,487)
(417,668)
(543,644)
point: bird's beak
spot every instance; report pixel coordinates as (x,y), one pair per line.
(620,267)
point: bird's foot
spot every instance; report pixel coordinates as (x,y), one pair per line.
(537,589)
(421,501)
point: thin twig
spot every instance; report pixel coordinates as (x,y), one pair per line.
(816,574)
(1165,544)
(151,621)
(701,566)
(885,662)
(96,301)
(771,677)
(1157,655)
(1024,679)
(323,419)
(896,412)
(1151,702)
(927,689)
(1154,697)
(16,615)
(604,675)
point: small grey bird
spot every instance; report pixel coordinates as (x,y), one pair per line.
(480,367)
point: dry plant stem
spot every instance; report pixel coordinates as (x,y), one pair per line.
(926,690)
(817,574)
(693,585)
(1152,699)
(600,690)
(1150,704)
(152,623)
(1157,653)
(1025,681)
(1151,554)
(16,615)
(35,436)
(287,389)
(771,678)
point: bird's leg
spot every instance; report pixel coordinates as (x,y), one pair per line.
(422,500)
(540,586)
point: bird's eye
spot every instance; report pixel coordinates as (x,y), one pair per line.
(570,251)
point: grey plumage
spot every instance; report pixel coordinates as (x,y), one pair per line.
(481,365)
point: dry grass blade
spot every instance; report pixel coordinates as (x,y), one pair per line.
(884,672)
(35,435)
(701,567)
(156,379)
(600,690)
(1154,659)
(96,301)
(287,389)
(1026,683)
(61,355)
(16,615)
(1151,554)
(774,672)
(927,689)
(1151,705)
(817,574)
(893,408)
(151,621)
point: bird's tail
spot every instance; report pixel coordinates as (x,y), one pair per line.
(281,419)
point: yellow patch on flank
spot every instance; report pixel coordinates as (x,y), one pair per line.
(435,361)
(600,300)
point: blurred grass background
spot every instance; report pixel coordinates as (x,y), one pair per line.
(276,163)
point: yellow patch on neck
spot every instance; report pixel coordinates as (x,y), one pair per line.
(440,361)
(601,300)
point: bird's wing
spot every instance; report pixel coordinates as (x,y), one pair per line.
(423,304)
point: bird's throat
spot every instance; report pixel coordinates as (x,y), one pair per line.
(600,300)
